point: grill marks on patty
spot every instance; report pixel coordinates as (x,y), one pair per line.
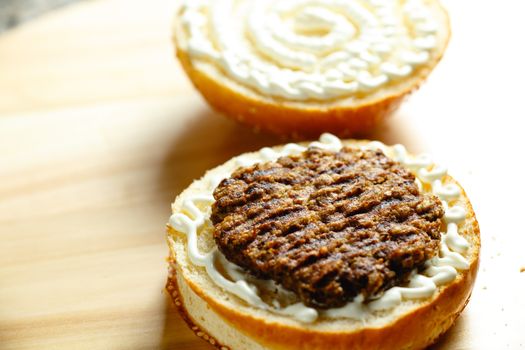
(327,225)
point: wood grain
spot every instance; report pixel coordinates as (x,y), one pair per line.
(100,130)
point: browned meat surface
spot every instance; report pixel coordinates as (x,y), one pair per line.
(326,225)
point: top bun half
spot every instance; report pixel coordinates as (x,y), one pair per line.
(300,68)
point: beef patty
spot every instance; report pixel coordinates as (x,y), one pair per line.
(327,225)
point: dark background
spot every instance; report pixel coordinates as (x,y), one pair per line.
(14,12)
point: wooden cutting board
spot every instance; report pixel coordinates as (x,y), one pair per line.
(100,130)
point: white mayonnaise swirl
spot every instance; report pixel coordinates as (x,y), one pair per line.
(311,49)
(438,271)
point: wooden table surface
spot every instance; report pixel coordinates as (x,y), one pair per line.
(100,130)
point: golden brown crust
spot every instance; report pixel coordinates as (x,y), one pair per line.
(285,120)
(303,121)
(173,290)
(414,330)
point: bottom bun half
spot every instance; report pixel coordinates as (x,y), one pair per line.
(227,322)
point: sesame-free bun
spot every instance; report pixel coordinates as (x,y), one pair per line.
(226,321)
(347,115)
